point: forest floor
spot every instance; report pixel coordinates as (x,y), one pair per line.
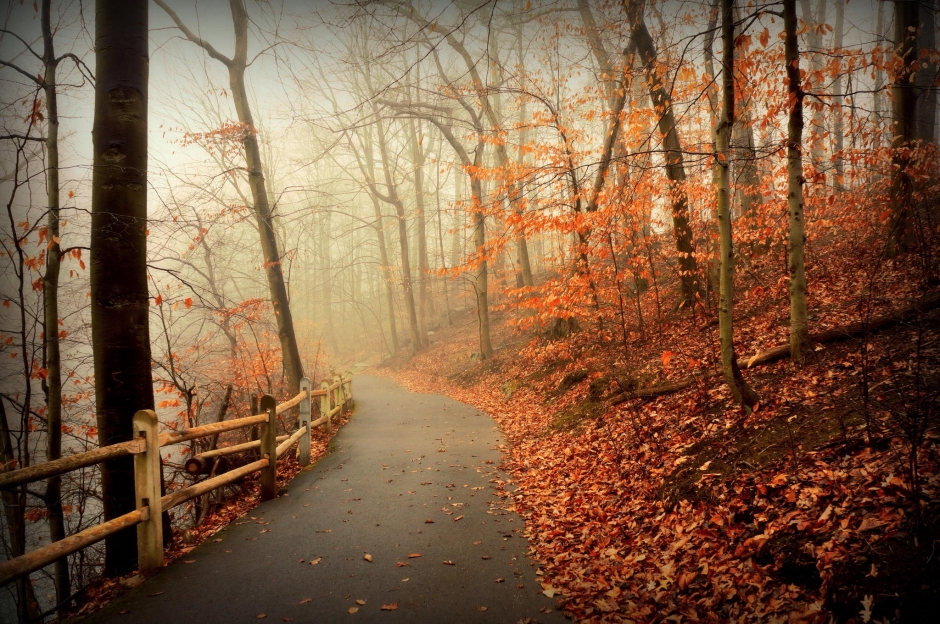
(679,507)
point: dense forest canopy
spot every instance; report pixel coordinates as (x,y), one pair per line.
(310,187)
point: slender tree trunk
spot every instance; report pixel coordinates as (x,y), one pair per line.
(798,321)
(119,296)
(927,77)
(838,133)
(293,367)
(740,389)
(482,284)
(904,114)
(407,287)
(326,277)
(817,121)
(280,302)
(745,153)
(418,160)
(878,96)
(440,240)
(672,148)
(50,296)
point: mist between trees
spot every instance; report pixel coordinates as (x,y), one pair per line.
(329,184)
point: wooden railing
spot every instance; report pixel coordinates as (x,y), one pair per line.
(145,447)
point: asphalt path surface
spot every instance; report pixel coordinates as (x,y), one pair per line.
(403,512)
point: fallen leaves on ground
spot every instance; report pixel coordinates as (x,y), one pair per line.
(392,606)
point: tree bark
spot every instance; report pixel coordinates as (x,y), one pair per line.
(50,296)
(796,236)
(119,295)
(672,151)
(904,115)
(418,160)
(280,302)
(407,286)
(838,132)
(814,45)
(740,390)
(380,234)
(926,79)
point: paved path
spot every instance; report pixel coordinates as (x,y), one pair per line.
(403,459)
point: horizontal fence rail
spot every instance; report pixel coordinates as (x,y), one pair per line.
(334,394)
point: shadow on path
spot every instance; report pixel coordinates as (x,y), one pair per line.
(403,459)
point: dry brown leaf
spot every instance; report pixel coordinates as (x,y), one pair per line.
(414,555)
(360,602)
(392,606)
(367,557)
(352,609)
(449,562)
(306,600)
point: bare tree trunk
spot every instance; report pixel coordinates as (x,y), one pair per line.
(740,390)
(745,153)
(878,96)
(798,322)
(407,287)
(293,367)
(672,151)
(50,296)
(418,160)
(926,79)
(119,296)
(815,44)
(838,133)
(326,277)
(479,240)
(904,115)
(367,166)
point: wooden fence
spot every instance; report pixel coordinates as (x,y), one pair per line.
(334,393)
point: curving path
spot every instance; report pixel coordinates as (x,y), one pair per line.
(403,459)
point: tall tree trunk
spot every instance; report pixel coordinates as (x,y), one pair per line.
(383,247)
(926,79)
(407,286)
(326,277)
(904,115)
(440,240)
(418,160)
(119,297)
(838,133)
(523,262)
(798,329)
(482,280)
(814,44)
(50,297)
(745,153)
(878,96)
(672,150)
(739,387)
(280,302)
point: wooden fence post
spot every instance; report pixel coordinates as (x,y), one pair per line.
(340,398)
(269,448)
(325,405)
(347,387)
(147,470)
(303,420)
